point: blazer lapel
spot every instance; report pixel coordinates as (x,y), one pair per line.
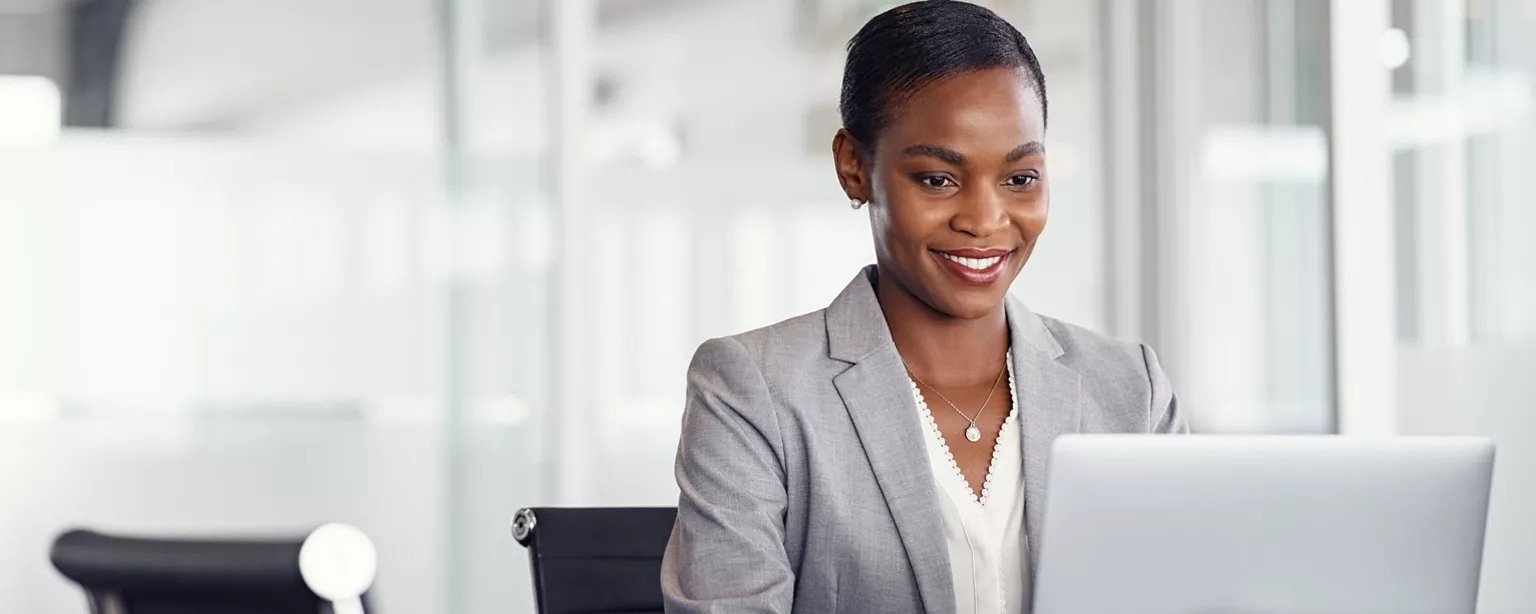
(1049,404)
(878,397)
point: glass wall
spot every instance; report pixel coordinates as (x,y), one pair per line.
(1239,291)
(224,303)
(1463,129)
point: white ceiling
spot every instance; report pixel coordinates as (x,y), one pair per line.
(31,6)
(215,64)
(192,64)
(369,71)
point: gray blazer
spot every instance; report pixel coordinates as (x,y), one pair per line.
(805,485)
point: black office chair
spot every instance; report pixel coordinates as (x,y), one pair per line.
(122,575)
(588,560)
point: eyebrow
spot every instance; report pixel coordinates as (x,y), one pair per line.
(953,157)
(947,155)
(1028,149)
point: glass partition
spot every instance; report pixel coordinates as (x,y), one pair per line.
(1463,140)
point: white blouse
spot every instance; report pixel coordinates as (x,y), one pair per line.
(988,557)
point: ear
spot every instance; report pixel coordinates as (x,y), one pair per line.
(852,173)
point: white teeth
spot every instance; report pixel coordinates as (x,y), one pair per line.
(978,264)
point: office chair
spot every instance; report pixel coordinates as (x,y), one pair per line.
(124,575)
(588,560)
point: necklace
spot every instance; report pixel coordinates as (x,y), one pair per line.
(972,433)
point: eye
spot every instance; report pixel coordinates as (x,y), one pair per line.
(1021,181)
(936,182)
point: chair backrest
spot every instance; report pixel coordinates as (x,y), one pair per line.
(589,560)
(122,575)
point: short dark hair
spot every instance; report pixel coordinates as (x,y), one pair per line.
(911,46)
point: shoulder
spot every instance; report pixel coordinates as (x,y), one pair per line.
(769,348)
(1107,365)
(1093,350)
(1122,379)
(766,357)
(746,378)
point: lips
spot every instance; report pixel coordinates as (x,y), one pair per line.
(974,266)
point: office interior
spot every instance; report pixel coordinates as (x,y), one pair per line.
(415,264)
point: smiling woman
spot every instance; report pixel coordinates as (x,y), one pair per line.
(814,473)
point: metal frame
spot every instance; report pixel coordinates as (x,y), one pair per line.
(1130,192)
(1363,231)
(572,28)
(453,29)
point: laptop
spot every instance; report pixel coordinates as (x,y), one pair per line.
(1214,524)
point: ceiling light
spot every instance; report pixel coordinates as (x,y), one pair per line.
(1395,49)
(31,110)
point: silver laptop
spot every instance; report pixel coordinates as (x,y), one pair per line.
(1263,525)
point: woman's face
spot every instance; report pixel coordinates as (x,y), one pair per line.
(957,188)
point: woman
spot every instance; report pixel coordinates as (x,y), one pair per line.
(887,453)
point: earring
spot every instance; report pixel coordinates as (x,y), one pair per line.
(855,203)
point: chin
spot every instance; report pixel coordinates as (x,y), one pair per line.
(973,306)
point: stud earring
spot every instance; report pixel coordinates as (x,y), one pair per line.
(855,203)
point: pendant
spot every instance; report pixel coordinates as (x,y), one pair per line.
(972,434)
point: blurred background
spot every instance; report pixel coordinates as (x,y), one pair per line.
(413,264)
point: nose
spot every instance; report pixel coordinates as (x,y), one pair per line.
(981,215)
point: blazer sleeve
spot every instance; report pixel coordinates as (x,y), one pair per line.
(727,553)
(1164,415)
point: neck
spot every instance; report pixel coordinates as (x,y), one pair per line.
(943,350)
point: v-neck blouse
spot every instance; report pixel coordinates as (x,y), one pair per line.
(988,557)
